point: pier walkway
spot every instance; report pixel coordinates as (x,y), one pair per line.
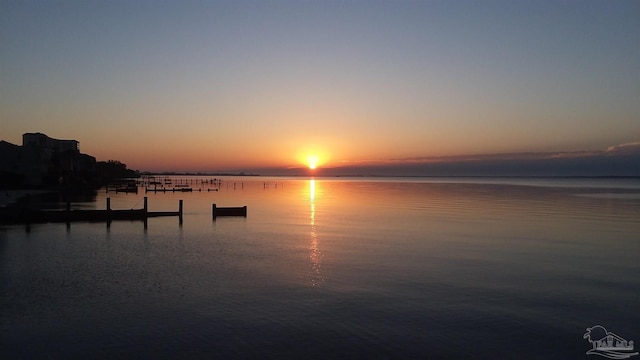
(29,216)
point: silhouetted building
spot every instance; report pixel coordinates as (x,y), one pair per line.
(42,141)
(42,160)
(12,164)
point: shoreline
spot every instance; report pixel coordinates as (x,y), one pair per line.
(10,197)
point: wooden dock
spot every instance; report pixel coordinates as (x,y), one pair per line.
(26,216)
(175,189)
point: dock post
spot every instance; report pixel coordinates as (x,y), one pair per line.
(145,207)
(180,211)
(213,211)
(108,213)
(68,214)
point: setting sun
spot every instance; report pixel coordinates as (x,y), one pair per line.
(312,157)
(312,161)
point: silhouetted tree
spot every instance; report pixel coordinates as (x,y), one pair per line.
(112,170)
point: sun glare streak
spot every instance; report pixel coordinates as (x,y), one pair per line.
(315,255)
(312,196)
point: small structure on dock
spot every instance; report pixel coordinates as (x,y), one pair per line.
(228,211)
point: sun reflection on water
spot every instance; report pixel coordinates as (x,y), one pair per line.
(315,256)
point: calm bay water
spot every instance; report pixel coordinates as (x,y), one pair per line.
(332,268)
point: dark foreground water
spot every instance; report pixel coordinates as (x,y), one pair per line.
(335,269)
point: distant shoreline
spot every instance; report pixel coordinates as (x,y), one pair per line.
(170,173)
(400,176)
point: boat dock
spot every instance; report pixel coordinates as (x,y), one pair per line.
(163,189)
(28,216)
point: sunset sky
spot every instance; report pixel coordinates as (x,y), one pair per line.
(250,85)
